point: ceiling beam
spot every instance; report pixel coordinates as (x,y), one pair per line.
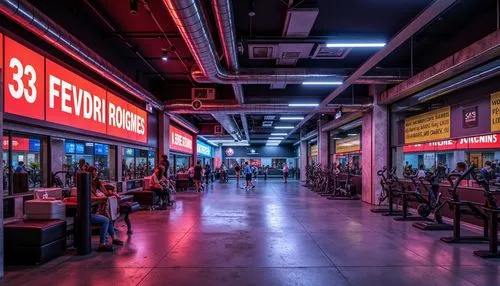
(143,35)
(422,20)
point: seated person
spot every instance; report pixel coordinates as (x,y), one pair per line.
(487,171)
(159,185)
(98,213)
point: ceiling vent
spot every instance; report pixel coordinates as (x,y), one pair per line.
(262,51)
(289,54)
(278,85)
(267,124)
(299,22)
(203,93)
(322,52)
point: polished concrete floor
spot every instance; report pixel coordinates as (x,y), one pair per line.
(275,235)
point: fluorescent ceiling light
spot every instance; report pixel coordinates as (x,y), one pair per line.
(279,134)
(283,127)
(235,144)
(272,144)
(352,134)
(276,138)
(303,104)
(322,83)
(292,118)
(355,45)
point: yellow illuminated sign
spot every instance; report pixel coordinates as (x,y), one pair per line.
(495,111)
(429,126)
(314,150)
(349,144)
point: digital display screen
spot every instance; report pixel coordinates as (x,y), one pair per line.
(34,145)
(129,152)
(80,148)
(69,147)
(101,149)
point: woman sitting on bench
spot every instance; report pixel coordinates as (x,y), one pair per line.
(159,185)
(99,214)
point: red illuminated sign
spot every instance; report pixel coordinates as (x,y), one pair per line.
(126,120)
(180,140)
(67,98)
(23,81)
(18,144)
(491,141)
(72,100)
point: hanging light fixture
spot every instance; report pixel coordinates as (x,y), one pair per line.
(164,54)
(133,7)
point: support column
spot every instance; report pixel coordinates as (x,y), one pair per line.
(323,149)
(164,134)
(1,181)
(303,157)
(195,148)
(375,142)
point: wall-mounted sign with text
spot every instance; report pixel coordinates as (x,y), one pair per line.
(229,152)
(38,88)
(429,126)
(348,145)
(470,117)
(491,141)
(495,111)
(180,140)
(203,149)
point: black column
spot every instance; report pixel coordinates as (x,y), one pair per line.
(82,221)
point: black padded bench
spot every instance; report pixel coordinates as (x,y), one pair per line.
(34,241)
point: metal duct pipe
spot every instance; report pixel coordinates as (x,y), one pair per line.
(30,18)
(228,124)
(291,76)
(244,123)
(192,25)
(185,108)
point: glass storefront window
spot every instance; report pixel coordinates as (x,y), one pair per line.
(94,154)
(22,163)
(137,163)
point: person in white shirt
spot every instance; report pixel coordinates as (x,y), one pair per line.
(285,172)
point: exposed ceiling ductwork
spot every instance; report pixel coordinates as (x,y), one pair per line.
(192,24)
(186,108)
(29,17)
(227,122)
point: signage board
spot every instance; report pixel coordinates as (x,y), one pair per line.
(495,111)
(38,88)
(490,141)
(429,126)
(203,149)
(470,117)
(18,144)
(128,152)
(229,152)
(347,145)
(23,81)
(180,140)
(314,150)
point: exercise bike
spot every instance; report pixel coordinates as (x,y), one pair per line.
(431,204)
(388,192)
(460,208)
(407,195)
(492,210)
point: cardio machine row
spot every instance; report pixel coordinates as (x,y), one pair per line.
(424,191)
(331,182)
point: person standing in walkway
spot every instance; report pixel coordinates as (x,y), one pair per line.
(237,171)
(248,176)
(285,172)
(197,176)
